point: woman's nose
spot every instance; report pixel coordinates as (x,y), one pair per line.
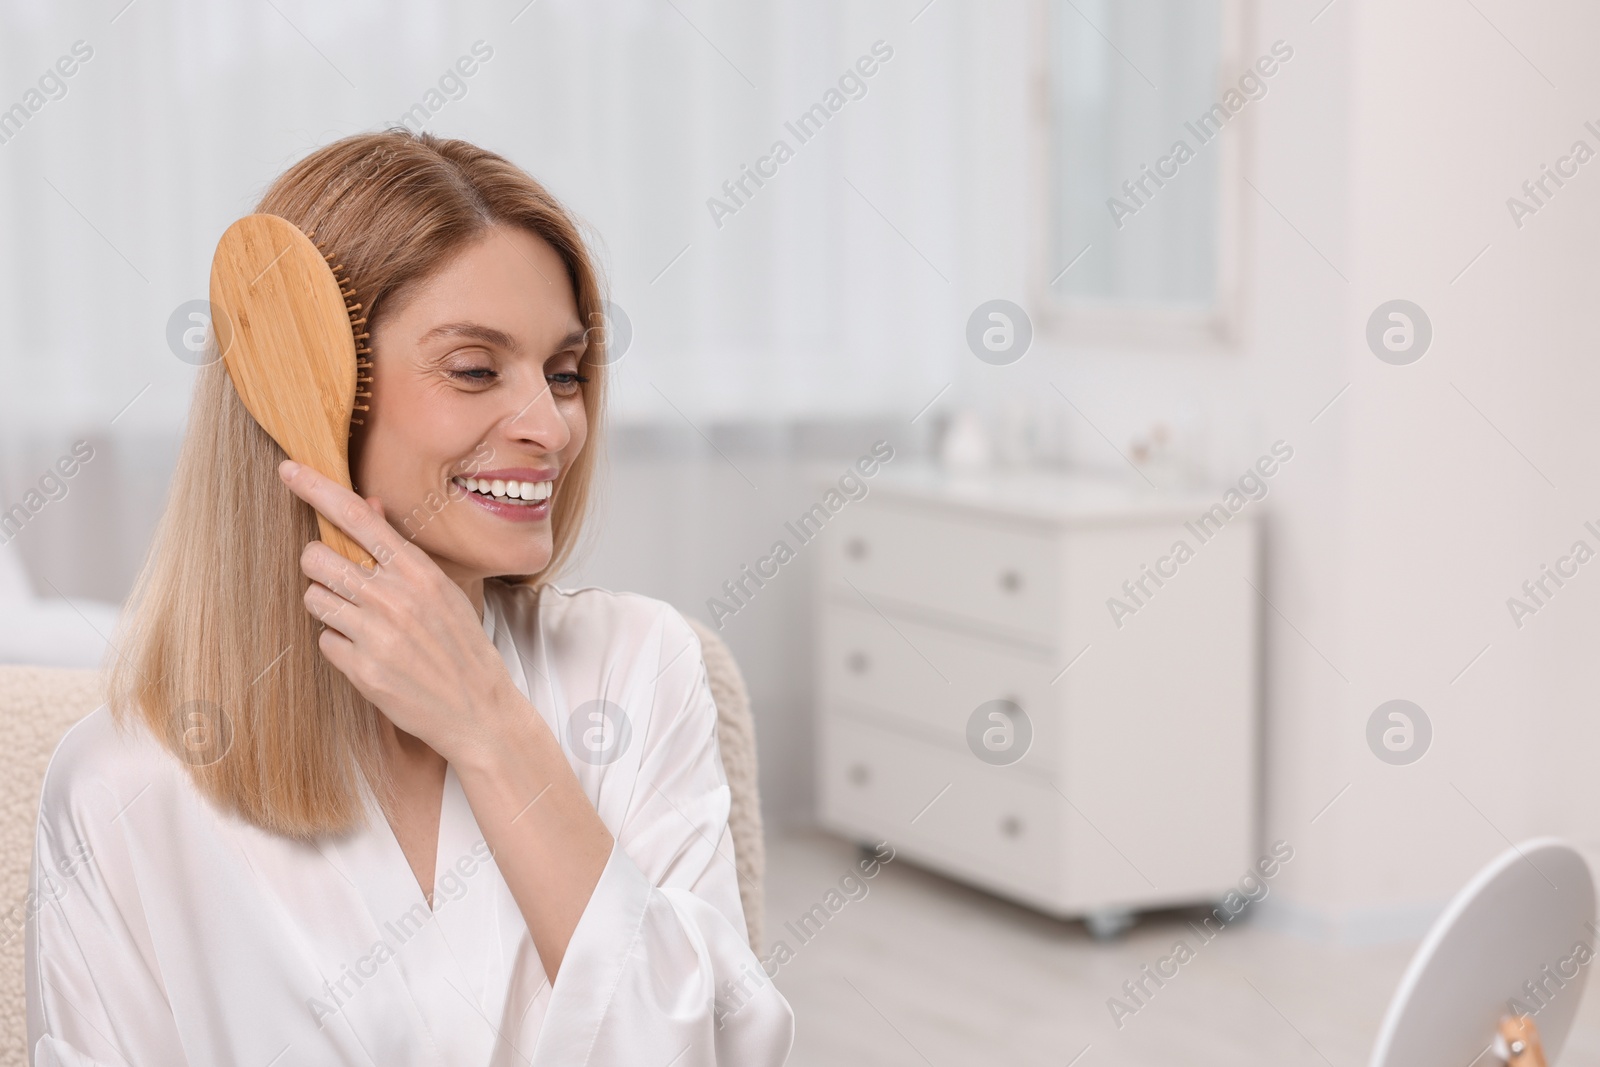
(537,420)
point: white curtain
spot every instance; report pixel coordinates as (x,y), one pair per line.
(836,288)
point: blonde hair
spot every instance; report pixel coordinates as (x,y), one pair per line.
(218,653)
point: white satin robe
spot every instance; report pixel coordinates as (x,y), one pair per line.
(164,932)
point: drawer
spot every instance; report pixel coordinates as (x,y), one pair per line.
(991,573)
(931,678)
(992,825)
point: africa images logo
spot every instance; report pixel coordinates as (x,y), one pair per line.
(598,732)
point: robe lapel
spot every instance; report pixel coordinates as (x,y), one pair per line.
(442,961)
(526,989)
(449,963)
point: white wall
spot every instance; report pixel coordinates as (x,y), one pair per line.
(1471,468)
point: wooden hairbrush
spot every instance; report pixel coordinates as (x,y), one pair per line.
(295,347)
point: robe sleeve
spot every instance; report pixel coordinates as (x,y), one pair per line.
(659,968)
(93,998)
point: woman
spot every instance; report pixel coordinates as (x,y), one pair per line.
(438,813)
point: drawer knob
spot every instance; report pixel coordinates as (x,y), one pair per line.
(855,548)
(858,663)
(1011,826)
(860,774)
(1011,581)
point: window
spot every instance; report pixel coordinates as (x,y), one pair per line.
(1140,155)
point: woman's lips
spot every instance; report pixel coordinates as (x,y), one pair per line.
(517,512)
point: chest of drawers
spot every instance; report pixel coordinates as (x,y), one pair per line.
(1128,778)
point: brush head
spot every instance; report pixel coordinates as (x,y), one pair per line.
(289,335)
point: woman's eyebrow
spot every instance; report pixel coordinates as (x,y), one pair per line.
(492,336)
(476,331)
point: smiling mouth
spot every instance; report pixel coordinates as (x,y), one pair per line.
(515,493)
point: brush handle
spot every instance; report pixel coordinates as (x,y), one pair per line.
(341,543)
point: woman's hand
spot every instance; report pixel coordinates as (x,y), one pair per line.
(404,634)
(411,641)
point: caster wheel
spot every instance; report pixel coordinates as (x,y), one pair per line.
(1108,923)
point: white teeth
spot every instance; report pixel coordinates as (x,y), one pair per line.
(500,489)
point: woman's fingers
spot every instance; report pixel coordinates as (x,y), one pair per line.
(344,509)
(339,650)
(322,564)
(332,610)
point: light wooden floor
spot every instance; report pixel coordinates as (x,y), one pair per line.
(923,971)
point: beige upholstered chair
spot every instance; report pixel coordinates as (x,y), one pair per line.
(736,737)
(38,704)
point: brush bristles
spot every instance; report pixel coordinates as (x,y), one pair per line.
(358,335)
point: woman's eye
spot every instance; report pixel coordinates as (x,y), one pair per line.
(474,374)
(565,384)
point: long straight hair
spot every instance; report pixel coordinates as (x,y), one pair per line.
(218,655)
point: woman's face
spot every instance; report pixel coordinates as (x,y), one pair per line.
(477,407)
